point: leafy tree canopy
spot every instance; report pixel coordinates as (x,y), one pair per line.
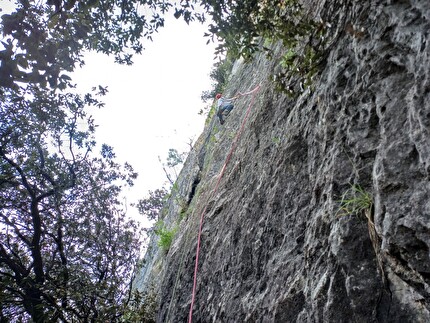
(66,247)
(249,26)
(44,40)
(152,205)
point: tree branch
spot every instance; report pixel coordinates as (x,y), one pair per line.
(35,242)
(16,268)
(16,229)
(20,172)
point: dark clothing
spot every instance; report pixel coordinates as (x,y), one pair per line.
(223,105)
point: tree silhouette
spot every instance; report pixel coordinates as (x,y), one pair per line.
(66,247)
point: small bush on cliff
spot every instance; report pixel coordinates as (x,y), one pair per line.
(355,200)
(165,235)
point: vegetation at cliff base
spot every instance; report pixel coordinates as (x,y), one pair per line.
(142,307)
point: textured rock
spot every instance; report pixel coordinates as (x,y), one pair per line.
(273,246)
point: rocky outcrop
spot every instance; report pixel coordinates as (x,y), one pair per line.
(275,247)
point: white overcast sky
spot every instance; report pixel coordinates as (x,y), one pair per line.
(152,105)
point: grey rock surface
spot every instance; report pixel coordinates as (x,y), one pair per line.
(273,246)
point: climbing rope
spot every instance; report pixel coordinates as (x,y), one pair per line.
(230,154)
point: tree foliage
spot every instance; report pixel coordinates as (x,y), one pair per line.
(66,247)
(249,26)
(174,159)
(45,40)
(219,75)
(153,204)
(165,235)
(142,307)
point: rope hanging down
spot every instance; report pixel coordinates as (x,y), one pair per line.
(230,154)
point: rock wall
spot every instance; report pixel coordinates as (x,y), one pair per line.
(275,245)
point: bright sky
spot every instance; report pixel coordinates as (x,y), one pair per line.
(152,105)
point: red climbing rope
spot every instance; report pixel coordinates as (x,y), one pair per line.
(233,147)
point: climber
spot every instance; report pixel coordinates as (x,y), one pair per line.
(224,105)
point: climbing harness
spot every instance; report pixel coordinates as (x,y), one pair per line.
(230,154)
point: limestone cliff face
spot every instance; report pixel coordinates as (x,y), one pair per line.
(274,246)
